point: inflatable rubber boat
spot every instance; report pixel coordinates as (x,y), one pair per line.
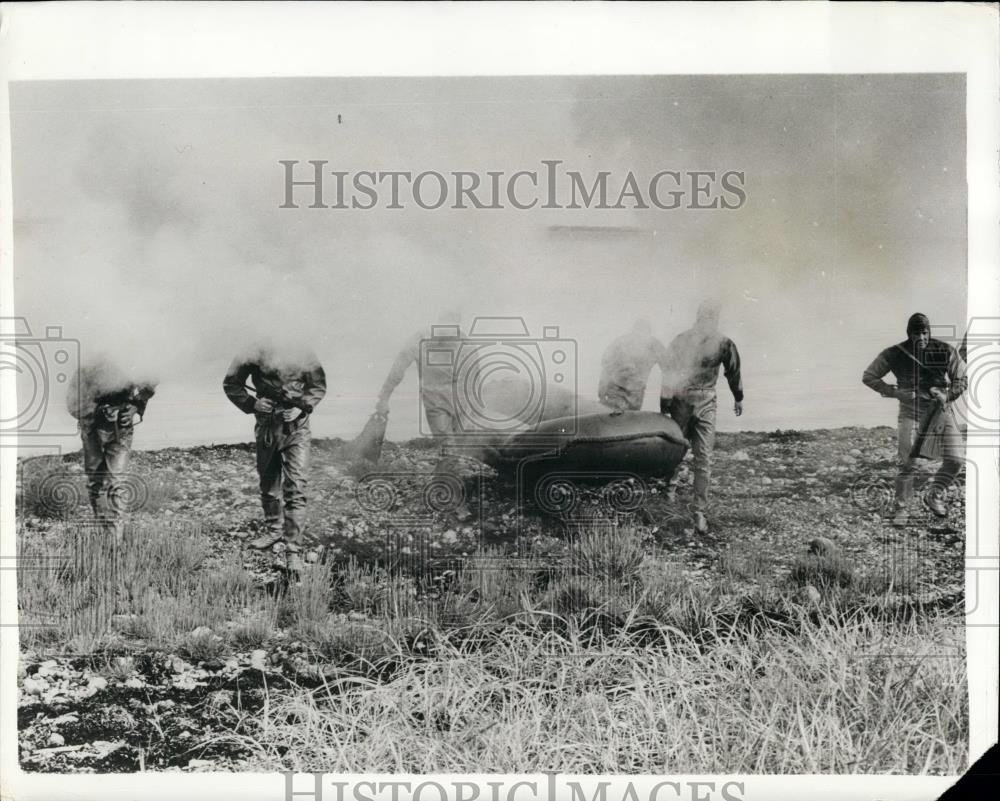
(593,447)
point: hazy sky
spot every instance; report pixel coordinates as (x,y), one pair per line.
(147,223)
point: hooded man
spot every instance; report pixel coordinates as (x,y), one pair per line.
(106,402)
(929,375)
(287,388)
(626,365)
(690,373)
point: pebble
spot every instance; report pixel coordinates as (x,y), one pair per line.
(812,594)
(135,683)
(821,546)
(258,659)
(740,456)
(56,739)
(34,686)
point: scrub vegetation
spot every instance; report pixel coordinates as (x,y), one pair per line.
(598,645)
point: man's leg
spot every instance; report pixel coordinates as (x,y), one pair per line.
(953,455)
(269,474)
(680,413)
(93,464)
(117,454)
(906,432)
(294,466)
(702,445)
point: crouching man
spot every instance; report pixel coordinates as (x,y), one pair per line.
(929,375)
(106,403)
(284,391)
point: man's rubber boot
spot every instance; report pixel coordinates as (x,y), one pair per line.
(700,523)
(265,540)
(901,517)
(935,502)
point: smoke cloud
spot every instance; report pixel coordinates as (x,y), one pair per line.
(147,224)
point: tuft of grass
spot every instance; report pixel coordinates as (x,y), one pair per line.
(202,644)
(823,571)
(612,556)
(254,632)
(49,487)
(746,563)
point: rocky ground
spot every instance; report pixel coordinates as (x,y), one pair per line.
(773,493)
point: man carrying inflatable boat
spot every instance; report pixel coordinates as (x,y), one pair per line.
(530,423)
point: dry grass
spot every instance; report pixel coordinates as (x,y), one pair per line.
(831,700)
(609,649)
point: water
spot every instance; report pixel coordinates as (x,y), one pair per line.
(186,416)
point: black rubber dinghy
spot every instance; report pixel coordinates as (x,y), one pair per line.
(594,448)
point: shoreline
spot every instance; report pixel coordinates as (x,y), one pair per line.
(426,441)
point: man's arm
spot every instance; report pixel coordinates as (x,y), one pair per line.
(872,377)
(77,401)
(407,356)
(671,374)
(731,369)
(234,385)
(315,387)
(956,374)
(139,396)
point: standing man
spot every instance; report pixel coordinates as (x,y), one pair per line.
(106,402)
(690,373)
(929,375)
(626,365)
(286,389)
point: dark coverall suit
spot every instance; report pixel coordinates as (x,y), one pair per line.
(282,447)
(104,402)
(688,395)
(939,365)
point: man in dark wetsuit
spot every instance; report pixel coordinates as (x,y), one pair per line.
(690,373)
(287,389)
(106,402)
(929,375)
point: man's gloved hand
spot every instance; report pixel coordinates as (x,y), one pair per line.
(904,394)
(290,414)
(263,405)
(738,408)
(939,395)
(382,406)
(127,415)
